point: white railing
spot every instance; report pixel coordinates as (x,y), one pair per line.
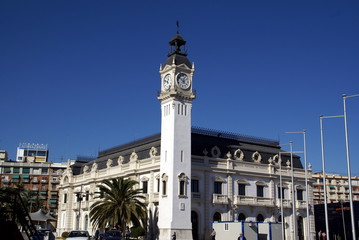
(301,204)
(220,199)
(155,197)
(196,195)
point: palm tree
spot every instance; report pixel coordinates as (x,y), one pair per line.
(119,204)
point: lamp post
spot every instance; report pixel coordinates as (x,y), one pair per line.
(294,217)
(80,196)
(281,194)
(293,193)
(306,181)
(348,163)
(323,167)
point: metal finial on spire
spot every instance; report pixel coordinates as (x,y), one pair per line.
(177,24)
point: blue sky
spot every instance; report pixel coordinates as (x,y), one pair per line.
(82,76)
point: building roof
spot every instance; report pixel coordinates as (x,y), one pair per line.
(203,141)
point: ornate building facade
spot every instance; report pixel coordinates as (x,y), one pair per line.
(192,176)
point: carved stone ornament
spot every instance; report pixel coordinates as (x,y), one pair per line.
(229,155)
(109,163)
(164,177)
(216,152)
(219,179)
(86,169)
(288,163)
(256,157)
(153,152)
(276,159)
(239,155)
(120,160)
(270,161)
(205,152)
(94,167)
(182,176)
(133,156)
(309,166)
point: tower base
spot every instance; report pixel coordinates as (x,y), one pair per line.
(181,234)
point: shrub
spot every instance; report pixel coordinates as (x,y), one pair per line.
(65,234)
(137,231)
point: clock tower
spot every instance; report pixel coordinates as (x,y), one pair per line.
(176,106)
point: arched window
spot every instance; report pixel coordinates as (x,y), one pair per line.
(77,227)
(86,223)
(194,220)
(182,184)
(260,218)
(241,217)
(300,228)
(217,216)
(164,184)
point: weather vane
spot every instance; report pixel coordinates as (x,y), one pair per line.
(177,24)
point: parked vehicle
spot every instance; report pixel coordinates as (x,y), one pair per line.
(112,235)
(78,235)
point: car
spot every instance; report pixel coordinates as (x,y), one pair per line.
(78,235)
(112,235)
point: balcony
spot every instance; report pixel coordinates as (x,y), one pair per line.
(243,200)
(286,203)
(85,205)
(44,181)
(196,196)
(220,199)
(301,204)
(155,197)
(76,205)
(264,201)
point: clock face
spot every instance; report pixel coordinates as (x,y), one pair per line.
(183,81)
(167,81)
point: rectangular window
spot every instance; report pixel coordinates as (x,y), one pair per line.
(195,185)
(260,192)
(87,195)
(36,171)
(300,194)
(44,170)
(7,170)
(241,189)
(16,170)
(280,194)
(145,187)
(217,187)
(25,170)
(158,185)
(41,153)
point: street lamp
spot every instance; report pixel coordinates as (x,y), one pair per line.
(293,190)
(80,196)
(348,163)
(323,167)
(306,181)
